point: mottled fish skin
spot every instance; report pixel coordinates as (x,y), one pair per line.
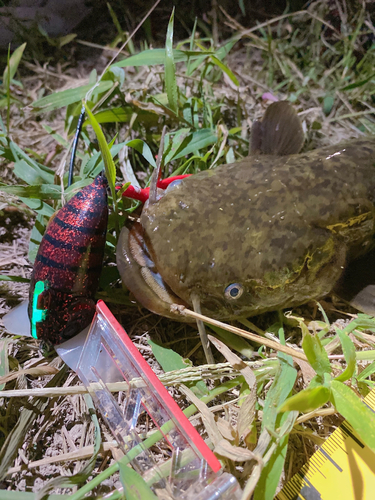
(282,227)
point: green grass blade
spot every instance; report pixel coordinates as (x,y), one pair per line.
(359,416)
(13,63)
(7,86)
(226,70)
(65,97)
(110,169)
(134,485)
(194,142)
(306,400)
(36,237)
(170,68)
(114,115)
(367,372)
(151,57)
(16,279)
(4,360)
(40,192)
(278,392)
(272,420)
(270,475)
(144,149)
(350,356)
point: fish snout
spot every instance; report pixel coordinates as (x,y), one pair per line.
(140,275)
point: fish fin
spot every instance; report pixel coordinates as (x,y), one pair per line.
(279,133)
(357,284)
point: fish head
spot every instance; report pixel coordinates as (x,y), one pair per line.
(197,239)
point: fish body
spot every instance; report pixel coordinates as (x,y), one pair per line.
(265,233)
(68,264)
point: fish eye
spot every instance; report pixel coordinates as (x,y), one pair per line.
(233,291)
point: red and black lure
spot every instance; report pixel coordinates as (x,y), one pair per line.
(68,266)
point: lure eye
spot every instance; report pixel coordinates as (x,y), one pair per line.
(234,291)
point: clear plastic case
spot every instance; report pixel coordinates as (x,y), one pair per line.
(108,357)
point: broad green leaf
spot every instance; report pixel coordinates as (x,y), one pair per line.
(16,279)
(41,192)
(315,352)
(170,69)
(19,154)
(351,407)
(38,205)
(350,358)
(170,360)
(328,103)
(142,148)
(114,115)
(14,61)
(306,400)
(69,96)
(135,487)
(31,174)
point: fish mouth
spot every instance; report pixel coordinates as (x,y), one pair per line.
(139,274)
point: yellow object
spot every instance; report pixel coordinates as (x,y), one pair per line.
(344,467)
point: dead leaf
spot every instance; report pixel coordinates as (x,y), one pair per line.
(225,429)
(246,415)
(235,361)
(235,453)
(247,410)
(307,370)
(207,416)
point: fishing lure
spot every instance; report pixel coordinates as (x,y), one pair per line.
(68,266)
